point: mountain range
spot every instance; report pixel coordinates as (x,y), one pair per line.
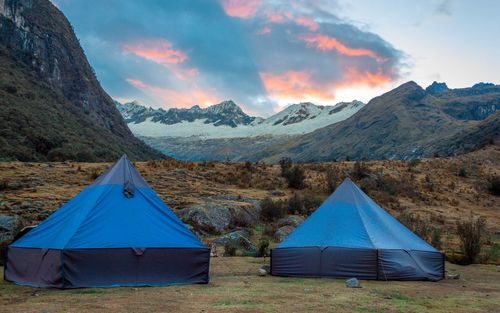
(227,120)
(407,122)
(53,109)
(52,106)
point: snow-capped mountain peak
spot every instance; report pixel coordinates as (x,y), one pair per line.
(227,120)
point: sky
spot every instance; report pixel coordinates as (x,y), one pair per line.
(265,55)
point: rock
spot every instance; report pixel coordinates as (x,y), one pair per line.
(352,283)
(283,232)
(453,276)
(241,235)
(8,227)
(209,217)
(218,215)
(277,193)
(262,272)
(266,268)
(291,220)
(222,240)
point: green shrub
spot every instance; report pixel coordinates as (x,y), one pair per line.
(263,247)
(231,247)
(295,203)
(295,177)
(272,210)
(285,164)
(472,235)
(332,180)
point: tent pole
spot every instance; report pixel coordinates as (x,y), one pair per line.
(377,264)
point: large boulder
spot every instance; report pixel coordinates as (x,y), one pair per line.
(283,232)
(209,218)
(220,213)
(8,227)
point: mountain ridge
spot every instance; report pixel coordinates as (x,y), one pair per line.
(69,113)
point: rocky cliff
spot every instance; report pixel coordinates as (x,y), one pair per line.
(53,106)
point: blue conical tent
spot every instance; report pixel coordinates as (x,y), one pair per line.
(116,232)
(349,235)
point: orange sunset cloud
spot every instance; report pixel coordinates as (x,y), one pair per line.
(326,43)
(177,98)
(157,50)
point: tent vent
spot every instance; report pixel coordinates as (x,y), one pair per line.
(128,190)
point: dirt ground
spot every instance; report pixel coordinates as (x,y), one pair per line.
(236,287)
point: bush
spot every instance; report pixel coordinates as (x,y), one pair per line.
(263,247)
(272,210)
(332,180)
(472,235)
(285,165)
(494,185)
(311,202)
(231,247)
(295,177)
(436,241)
(360,170)
(417,225)
(295,203)
(462,172)
(413,164)
(94,174)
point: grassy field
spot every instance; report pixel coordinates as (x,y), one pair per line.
(236,287)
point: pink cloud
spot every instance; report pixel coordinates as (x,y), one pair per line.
(277,17)
(302,85)
(327,43)
(177,98)
(293,84)
(307,22)
(240,8)
(156,50)
(264,30)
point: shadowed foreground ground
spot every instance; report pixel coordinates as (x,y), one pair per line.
(235,287)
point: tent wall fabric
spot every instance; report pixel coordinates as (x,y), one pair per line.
(349,235)
(116,232)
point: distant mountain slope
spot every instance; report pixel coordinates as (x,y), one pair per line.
(227,120)
(404,123)
(52,106)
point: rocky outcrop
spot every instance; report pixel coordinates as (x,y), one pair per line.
(283,232)
(286,226)
(221,213)
(50,96)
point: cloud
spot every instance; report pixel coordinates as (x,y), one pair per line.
(240,8)
(157,50)
(177,98)
(444,8)
(326,43)
(262,54)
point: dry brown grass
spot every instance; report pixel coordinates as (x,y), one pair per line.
(431,189)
